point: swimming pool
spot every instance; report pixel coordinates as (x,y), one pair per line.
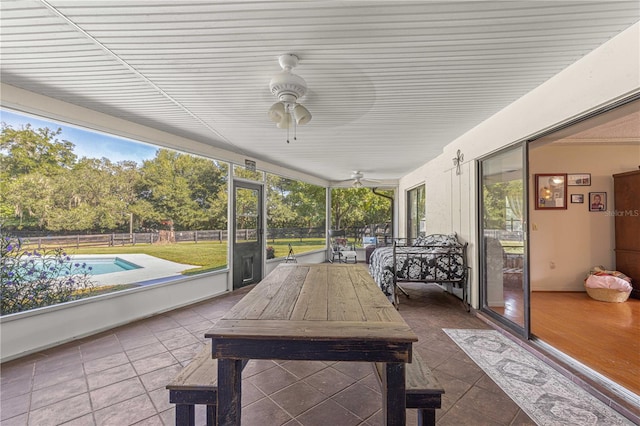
(39,268)
(104,265)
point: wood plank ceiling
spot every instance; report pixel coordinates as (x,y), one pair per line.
(390,83)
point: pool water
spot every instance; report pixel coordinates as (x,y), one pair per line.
(76,265)
(106,265)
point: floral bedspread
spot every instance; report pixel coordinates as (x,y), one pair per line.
(441,262)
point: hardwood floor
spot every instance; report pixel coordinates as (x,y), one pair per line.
(603,336)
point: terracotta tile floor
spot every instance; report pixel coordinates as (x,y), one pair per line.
(118,377)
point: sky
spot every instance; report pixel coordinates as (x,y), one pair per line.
(88,143)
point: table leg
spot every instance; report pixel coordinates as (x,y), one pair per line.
(229,391)
(394,399)
(185,414)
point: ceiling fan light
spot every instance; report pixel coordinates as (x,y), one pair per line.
(301,115)
(285,121)
(276,112)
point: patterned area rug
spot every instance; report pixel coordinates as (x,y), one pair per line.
(547,396)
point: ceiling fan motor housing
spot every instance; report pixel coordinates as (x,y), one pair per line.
(287,86)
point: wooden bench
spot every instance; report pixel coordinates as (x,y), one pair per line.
(422,389)
(197,383)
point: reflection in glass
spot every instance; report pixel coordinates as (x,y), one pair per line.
(502,230)
(247,215)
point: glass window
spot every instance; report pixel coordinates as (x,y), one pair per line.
(416,208)
(361,213)
(104,199)
(295,215)
(247,215)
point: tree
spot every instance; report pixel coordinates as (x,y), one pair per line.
(95,195)
(182,188)
(206,180)
(294,204)
(499,197)
(279,212)
(29,158)
(44,185)
(357,207)
(29,150)
(309,201)
(29,198)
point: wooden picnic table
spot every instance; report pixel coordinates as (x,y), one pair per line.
(326,312)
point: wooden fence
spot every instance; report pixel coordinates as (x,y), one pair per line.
(123,239)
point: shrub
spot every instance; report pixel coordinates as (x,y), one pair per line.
(34,279)
(271,252)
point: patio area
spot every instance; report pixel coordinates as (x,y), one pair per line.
(118,377)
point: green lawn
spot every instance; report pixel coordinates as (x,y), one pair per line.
(207,255)
(307,244)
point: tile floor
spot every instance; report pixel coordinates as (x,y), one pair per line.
(118,377)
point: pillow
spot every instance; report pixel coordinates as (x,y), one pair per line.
(448,240)
(420,241)
(608,281)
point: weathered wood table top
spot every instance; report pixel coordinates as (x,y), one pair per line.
(328,312)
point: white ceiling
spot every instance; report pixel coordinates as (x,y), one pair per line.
(390,83)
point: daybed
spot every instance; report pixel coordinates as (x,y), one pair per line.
(436,258)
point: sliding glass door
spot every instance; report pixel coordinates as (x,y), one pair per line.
(504,287)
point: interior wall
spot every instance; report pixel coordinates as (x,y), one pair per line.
(565,244)
(605,75)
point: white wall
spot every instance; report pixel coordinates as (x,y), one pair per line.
(609,73)
(565,244)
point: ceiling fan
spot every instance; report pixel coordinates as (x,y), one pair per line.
(358,179)
(288,88)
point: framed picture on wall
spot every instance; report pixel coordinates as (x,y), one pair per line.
(577,198)
(579,179)
(551,191)
(597,201)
